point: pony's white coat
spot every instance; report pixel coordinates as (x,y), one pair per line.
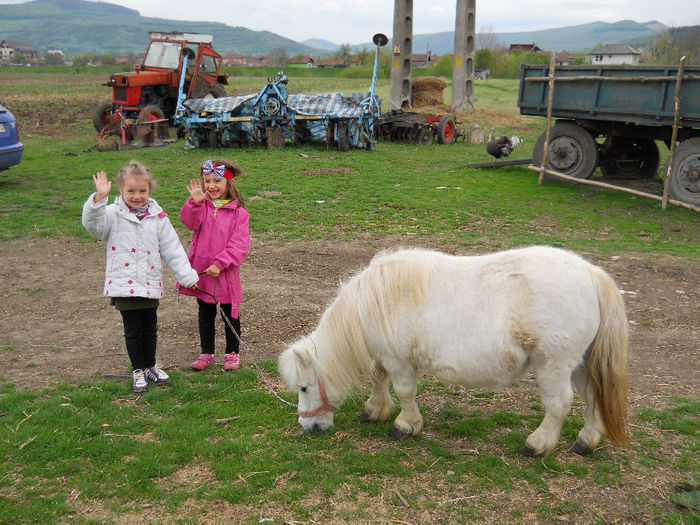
(479,321)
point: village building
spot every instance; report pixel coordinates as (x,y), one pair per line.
(260,61)
(233,58)
(306,61)
(10,48)
(524,47)
(423,60)
(616,54)
(331,62)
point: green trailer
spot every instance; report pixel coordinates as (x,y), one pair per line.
(613,117)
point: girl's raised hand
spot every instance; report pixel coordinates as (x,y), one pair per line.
(102,186)
(195,189)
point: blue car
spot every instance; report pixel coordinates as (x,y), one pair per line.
(11,148)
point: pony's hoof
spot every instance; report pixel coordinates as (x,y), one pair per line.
(397,433)
(580,448)
(364,416)
(529,452)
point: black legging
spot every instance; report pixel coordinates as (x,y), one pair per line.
(207,327)
(141,335)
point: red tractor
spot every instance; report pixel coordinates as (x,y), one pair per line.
(144,100)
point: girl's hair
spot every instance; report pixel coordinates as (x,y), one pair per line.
(232,191)
(136,169)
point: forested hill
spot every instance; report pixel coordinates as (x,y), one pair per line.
(77,27)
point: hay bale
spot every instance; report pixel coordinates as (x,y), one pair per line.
(427,91)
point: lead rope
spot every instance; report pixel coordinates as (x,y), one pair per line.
(243,345)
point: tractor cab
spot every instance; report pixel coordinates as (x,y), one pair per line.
(153,86)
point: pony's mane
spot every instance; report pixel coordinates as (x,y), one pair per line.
(373,298)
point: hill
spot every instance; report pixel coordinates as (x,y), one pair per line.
(77,27)
(578,38)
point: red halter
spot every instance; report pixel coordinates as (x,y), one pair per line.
(323,408)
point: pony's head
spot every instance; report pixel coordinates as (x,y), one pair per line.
(298,369)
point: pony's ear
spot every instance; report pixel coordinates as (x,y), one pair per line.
(303,356)
(286,364)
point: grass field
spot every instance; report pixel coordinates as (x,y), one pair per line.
(217,448)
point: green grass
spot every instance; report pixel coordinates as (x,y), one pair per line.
(163,447)
(398,189)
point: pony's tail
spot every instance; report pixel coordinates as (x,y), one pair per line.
(606,365)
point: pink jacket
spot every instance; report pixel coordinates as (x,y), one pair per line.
(223,241)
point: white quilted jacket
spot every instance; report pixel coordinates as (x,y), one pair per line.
(135,248)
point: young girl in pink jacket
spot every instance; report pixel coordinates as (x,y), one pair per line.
(216,213)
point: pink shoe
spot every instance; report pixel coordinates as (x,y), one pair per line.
(203,361)
(231,361)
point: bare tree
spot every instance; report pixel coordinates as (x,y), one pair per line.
(279,56)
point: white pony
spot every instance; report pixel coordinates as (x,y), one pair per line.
(478,321)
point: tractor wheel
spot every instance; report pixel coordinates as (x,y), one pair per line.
(151,113)
(446,130)
(100,117)
(216,91)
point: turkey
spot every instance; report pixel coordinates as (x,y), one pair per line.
(502,146)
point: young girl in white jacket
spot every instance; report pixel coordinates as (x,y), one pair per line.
(137,233)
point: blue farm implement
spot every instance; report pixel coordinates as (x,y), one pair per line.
(272,116)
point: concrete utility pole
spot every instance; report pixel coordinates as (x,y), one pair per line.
(402,43)
(463,65)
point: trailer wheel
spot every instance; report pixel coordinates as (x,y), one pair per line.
(572,151)
(630,158)
(446,130)
(100,118)
(684,184)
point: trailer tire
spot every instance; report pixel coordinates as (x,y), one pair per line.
(101,115)
(684,184)
(630,158)
(446,130)
(572,151)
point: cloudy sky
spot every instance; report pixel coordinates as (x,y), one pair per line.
(355,21)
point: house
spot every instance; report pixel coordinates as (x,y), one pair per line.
(232,58)
(10,48)
(330,62)
(524,47)
(563,59)
(305,61)
(422,60)
(260,61)
(614,54)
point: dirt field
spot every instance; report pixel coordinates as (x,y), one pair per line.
(58,327)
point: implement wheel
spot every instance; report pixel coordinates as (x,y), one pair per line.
(100,117)
(446,130)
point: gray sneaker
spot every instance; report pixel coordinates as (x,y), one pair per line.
(157,374)
(140,383)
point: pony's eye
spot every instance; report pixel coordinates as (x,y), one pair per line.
(302,388)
